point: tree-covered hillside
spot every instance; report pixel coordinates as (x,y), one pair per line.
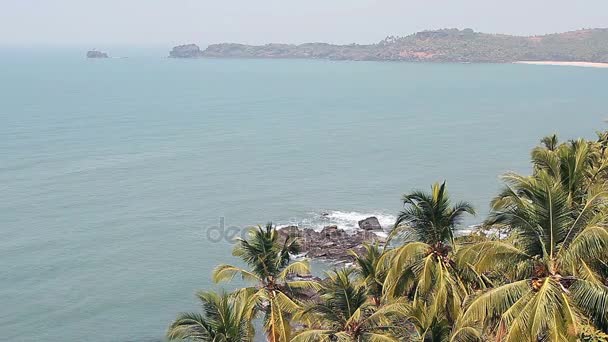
(446,45)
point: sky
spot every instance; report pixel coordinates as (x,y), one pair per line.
(170,22)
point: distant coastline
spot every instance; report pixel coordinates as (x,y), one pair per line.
(558,63)
(444,45)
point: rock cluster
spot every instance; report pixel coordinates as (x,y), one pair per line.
(186,51)
(331,243)
(96,54)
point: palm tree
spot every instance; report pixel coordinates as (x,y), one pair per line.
(270,268)
(430,325)
(429,217)
(550,142)
(344,313)
(578,165)
(423,267)
(552,289)
(225,318)
(371,271)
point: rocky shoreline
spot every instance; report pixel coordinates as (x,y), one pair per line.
(334,244)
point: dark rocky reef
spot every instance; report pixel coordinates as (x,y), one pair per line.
(330,244)
(446,45)
(186,51)
(96,54)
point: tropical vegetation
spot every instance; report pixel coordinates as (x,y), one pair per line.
(535,270)
(444,45)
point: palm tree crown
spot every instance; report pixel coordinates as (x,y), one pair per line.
(548,262)
(344,313)
(225,318)
(430,217)
(423,267)
(370,270)
(270,268)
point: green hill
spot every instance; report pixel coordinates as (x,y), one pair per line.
(445,45)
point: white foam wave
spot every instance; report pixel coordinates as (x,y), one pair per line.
(350,219)
(347,220)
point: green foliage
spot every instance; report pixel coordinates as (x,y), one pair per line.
(225,317)
(544,278)
(429,217)
(344,313)
(270,268)
(446,45)
(371,271)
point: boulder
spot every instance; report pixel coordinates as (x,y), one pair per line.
(289,231)
(370,223)
(186,51)
(331,231)
(96,54)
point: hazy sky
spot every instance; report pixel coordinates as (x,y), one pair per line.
(166,22)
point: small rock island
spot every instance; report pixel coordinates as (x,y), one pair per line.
(96,54)
(186,51)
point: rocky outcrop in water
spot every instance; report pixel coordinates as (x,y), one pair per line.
(96,54)
(370,223)
(186,51)
(331,243)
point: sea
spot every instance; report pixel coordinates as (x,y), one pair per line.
(124,181)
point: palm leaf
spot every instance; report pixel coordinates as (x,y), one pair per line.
(494,302)
(313,335)
(592,299)
(189,326)
(299,267)
(466,334)
(228,272)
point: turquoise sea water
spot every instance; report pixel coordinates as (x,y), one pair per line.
(113,171)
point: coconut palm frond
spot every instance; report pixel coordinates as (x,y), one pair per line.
(277,320)
(400,260)
(378,337)
(226,317)
(491,255)
(228,272)
(592,213)
(592,299)
(585,271)
(466,334)
(494,302)
(295,268)
(429,217)
(313,335)
(589,245)
(190,326)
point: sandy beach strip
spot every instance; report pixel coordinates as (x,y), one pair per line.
(577,64)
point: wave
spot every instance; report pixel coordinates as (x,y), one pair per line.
(347,220)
